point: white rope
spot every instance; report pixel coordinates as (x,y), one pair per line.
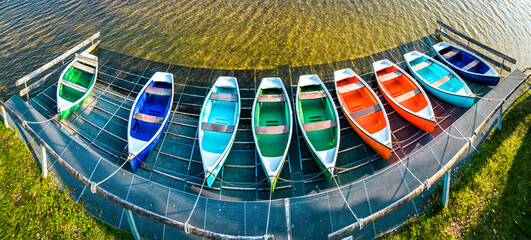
(411,172)
(266,236)
(93,185)
(44,121)
(348,205)
(186,230)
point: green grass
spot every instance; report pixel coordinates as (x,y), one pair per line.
(491,197)
(32,207)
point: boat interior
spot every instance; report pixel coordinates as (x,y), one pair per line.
(219,112)
(272,114)
(438,76)
(402,89)
(152,105)
(464,60)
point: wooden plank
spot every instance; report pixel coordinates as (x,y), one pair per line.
(312,95)
(366,111)
(93,47)
(421,65)
(86,60)
(389,76)
(148,118)
(55,61)
(214,127)
(350,87)
(159,91)
(269,130)
(319,125)
(450,54)
(407,95)
(495,52)
(481,55)
(442,80)
(84,68)
(470,65)
(74,86)
(224,97)
(271,98)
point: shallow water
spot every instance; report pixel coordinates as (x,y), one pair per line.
(248,33)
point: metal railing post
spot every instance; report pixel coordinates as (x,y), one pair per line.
(132,225)
(44,162)
(4,116)
(500,117)
(446,189)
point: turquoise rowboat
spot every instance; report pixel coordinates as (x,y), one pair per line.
(319,122)
(76,83)
(272,126)
(218,123)
(439,80)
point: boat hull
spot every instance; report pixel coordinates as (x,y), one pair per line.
(139,159)
(65,113)
(417,121)
(382,150)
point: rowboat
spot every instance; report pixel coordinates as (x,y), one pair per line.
(149,116)
(404,95)
(319,122)
(218,123)
(439,80)
(468,65)
(364,111)
(76,83)
(272,126)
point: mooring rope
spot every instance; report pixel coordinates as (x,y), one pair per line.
(93,185)
(186,225)
(266,236)
(44,121)
(348,205)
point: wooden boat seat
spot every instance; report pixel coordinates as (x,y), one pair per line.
(365,111)
(442,81)
(312,95)
(350,87)
(271,98)
(86,60)
(269,130)
(214,127)
(450,54)
(74,86)
(470,65)
(319,125)
(421,65)
(389,76)
(158,91)
(226,97)
(84,68)
(148,118)
(408,95)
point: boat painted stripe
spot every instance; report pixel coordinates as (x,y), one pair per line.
(270,130)
(422,65)
(74,86)
(214,127)
(389,76)
(366,111)
(451,53)
(226,97)
(312,95)
(442,81)
(350,87)
(407,95)
(470,65)
(271,98)
(148,118)
(158,91)
(319,125)
(84,68)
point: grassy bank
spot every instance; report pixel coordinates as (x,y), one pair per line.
(492,197)
(31,207)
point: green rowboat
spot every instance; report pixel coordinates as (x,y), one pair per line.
(272,126)
(319,122)
(76,83)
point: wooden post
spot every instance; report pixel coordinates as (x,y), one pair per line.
(501,70)
(446,189)
(4,116)
(132,225)
(44,162)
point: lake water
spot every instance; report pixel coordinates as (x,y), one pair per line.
(248,33)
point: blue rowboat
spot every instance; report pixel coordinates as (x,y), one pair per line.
(272,125)
(319,122)
(218,123)
(149,116)
(439,80)
(466,64)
